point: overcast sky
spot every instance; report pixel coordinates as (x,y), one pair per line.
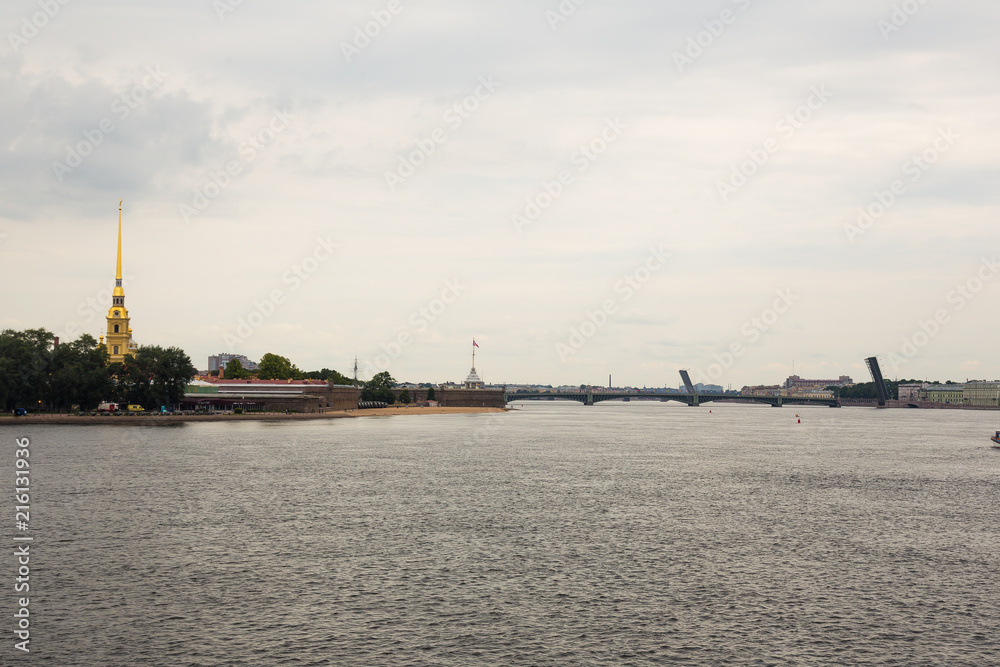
(624,187)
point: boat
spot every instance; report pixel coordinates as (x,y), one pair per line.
(996,440)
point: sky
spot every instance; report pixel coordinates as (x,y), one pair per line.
(741,188)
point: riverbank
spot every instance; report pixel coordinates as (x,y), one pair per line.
(147,420)
(408,410)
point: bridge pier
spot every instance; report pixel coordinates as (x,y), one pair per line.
(589,400)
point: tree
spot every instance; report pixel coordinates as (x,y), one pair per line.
(275,367)
(867,389)
(404,397)
(328,375)
(430,394)
(33,370)
(25,360)
(153,376)
(235,370)
(78,374)
(379,388)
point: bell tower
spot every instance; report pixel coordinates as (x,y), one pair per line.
(119,335)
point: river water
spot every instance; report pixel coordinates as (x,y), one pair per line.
(557,534)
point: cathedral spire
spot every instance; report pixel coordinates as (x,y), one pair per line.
(119,335)
(118,271)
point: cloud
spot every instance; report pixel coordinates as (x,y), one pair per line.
(657,184)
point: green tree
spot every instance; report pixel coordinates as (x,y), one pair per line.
(235,370)
(275,367)
(79,374)
(25,363)
(404,397)
(430,394)
(867,389)
(379,388)
(152,376)
(328,375)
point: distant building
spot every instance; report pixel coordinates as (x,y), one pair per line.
(220,360)
(702,388)
(911,392)
(794,381)
(213,394)
(944,393)
(983,394)
(473,381)
(761,390)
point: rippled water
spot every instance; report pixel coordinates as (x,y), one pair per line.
(558,534)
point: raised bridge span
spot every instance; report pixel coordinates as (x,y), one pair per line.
(693,400)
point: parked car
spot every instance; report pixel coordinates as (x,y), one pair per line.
(136,408)
(20,412)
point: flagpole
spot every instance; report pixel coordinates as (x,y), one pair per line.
(473,353)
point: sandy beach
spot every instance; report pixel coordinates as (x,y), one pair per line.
(404,410)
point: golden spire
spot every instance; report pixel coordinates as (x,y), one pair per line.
(118,272)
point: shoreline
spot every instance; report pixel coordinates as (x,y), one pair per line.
(141,420)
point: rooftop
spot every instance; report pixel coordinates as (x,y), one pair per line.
(216,381)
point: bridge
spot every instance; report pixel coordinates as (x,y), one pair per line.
(692,398)
(590,397)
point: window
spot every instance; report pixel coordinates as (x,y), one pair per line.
(118,313)
(116,349)
(116,328)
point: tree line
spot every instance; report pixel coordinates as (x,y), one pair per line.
(37,374)
(380,388)
(868,389)
(276,367)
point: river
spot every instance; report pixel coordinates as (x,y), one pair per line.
(556,534)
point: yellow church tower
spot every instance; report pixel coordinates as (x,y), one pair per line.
(119,334)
